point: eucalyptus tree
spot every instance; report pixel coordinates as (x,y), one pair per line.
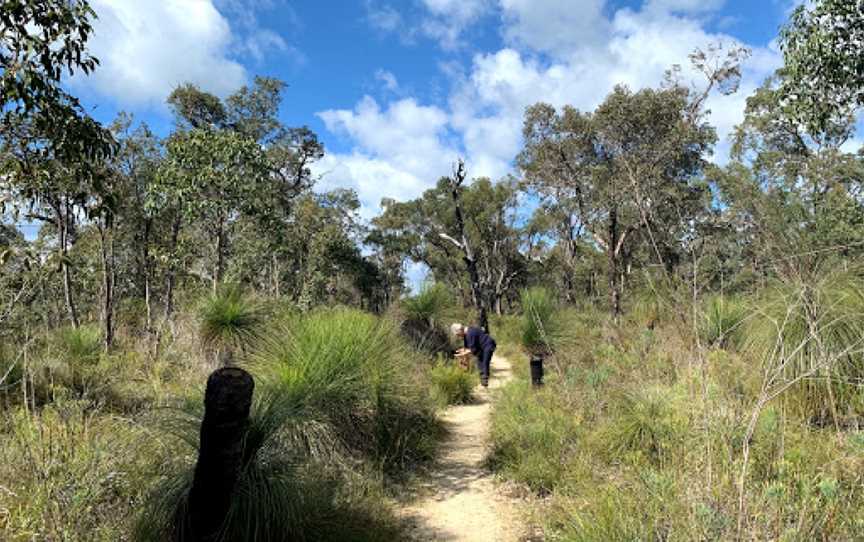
(51,151)
(823,63)
(628,174)
(466,234)
(619,168)
(233,166)
(790,189)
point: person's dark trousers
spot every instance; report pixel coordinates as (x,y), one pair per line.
(483,363)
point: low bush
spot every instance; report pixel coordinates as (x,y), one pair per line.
(533,439)
(634,439)
(451,384)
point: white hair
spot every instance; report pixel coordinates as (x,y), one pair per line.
(456,328)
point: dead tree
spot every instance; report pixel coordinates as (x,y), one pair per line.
(478,295)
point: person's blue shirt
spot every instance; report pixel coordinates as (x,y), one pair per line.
(478,341)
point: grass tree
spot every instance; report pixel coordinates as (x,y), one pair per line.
(230,320)
(540,328)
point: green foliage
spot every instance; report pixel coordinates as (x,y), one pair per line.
(634,441)
(287,486)
(722,321)
(811,334)
(430,304)
(42,40)
(70,474)
(820,45)
(79,347)
(540,325)
(230,319)
(354,370)
(649,423)
(452,385)
(533,439)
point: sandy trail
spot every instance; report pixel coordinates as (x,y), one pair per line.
(458,498)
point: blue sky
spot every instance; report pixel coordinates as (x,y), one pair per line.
(397,89)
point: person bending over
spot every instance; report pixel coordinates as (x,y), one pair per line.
(479,343)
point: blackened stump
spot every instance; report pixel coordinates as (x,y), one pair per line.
(537,370)
(226,417)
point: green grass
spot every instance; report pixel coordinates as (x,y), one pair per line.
(70,473)
(355,370)
(452,385)
(635,437)
(722,321)
(431,304)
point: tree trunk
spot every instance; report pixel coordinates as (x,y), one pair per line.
(172,269)
(63,229)
(147,270)
(220,456)
(106,245)
(614,266)
(219,272)
(468,254)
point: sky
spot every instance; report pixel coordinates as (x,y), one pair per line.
(398,89)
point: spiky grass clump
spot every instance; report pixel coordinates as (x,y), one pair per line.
(355,369)
(79,347)
(533,438)
(649,423)
(722,321)
(540,330)
(430,304)
(813,334)
(452,385)
(71,362)
(423,316)
(230,319)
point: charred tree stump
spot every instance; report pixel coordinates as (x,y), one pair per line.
(226,416)
(536,370)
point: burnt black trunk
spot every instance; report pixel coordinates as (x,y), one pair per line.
(536,370)
(226,417)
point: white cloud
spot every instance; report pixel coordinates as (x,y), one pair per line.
(556,26)
(388,79)
(147,48)
(556,53)
(450,18)
(398,151)
(372,178)
(685,6)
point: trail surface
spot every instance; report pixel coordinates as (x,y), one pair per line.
(458,500)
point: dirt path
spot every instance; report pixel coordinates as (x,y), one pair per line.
(458,499)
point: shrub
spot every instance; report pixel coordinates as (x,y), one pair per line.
(452,385)
(812,333)
(70,473)
(422,319)
(532,437)
(289,486)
